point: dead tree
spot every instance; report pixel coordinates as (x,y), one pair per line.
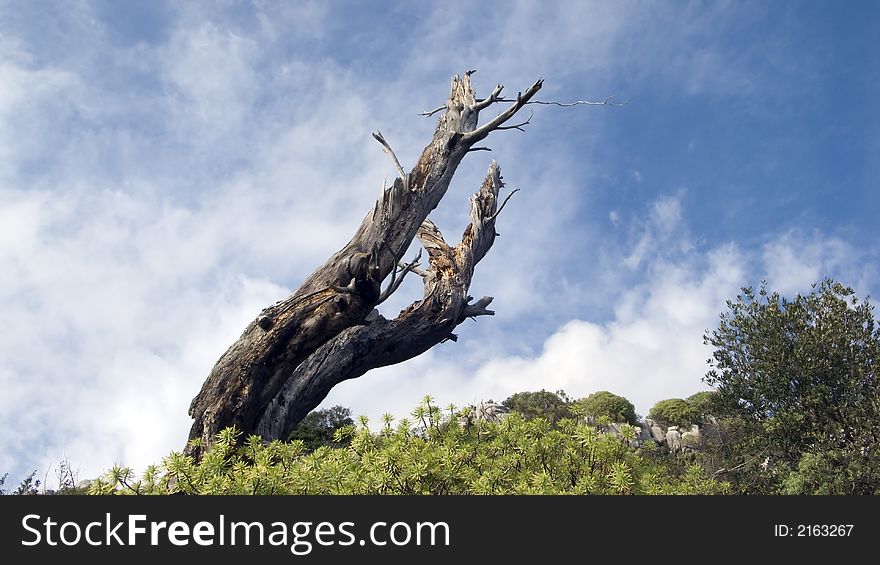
(328,331)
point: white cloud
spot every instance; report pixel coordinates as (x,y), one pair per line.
(662,233)
(24,91)
(614,217)
(796,259)
(212,69)
(106,335)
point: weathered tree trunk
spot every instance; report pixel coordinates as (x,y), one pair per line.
(288,359)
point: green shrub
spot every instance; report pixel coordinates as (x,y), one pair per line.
(674,412)
(541,404)
(609,405)
(318,427)
(705,403)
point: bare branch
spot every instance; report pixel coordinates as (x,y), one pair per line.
(395,284)
(519,125)
(503,204)
(605,102)
(377,135)
(479,149)
(432,239)
(420,272)
(495,96)
(434,111)
(384,295)
(478,308)
(521,99)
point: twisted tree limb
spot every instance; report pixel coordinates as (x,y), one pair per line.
(289,357)
(419,327)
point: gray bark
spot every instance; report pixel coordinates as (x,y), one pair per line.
(295,351)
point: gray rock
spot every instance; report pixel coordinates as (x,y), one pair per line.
(692,440)
(673,440)
(658,434)
(491,412)
(616,429)
(84,484)
(484,411)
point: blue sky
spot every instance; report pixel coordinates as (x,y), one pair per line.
(168,169)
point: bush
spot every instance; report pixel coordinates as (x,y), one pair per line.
(674,412)
(318,427)
(609,405)
(542,404)
(704,404)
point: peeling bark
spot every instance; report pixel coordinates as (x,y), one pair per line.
(295,351)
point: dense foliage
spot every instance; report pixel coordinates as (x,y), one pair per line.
(675,412)
(704,404)
(614,408)
(436,456)
(798,379)
(319,427)
(551,406)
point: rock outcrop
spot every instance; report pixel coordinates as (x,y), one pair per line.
(672,439)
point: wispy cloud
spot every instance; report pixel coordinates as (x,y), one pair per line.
(796,259)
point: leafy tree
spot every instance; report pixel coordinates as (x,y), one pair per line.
(609,405)
(704,404)
(550,406)
(800,376)
(318,428)
(674,412)
(429,455)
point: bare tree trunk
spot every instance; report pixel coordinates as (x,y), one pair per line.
(288,359)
